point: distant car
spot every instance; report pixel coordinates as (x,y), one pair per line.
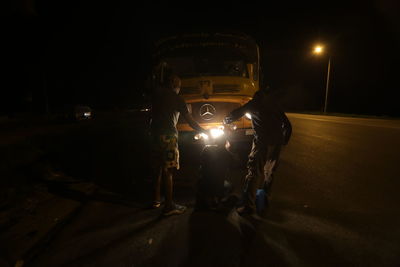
(143,104)
(74,113)
(82,113)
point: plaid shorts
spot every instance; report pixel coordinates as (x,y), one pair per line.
(165,151)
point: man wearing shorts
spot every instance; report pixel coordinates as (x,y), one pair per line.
(166,107)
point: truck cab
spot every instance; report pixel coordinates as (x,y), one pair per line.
(219,72)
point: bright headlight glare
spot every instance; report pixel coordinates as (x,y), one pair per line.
(201,136)
(204,136)
(248,115)
(215,133)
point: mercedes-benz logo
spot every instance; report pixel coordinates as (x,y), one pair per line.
(207,112)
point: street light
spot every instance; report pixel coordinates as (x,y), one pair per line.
(318,50)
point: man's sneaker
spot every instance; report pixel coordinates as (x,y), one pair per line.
(156,204)
(174,210)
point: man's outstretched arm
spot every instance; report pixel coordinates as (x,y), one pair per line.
(192,123)
(237,113)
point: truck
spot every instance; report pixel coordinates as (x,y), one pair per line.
(219,72)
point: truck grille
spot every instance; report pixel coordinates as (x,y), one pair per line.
(209,112)
(226,88)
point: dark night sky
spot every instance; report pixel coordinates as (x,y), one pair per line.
(98,53)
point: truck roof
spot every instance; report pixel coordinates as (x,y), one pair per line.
(187,41)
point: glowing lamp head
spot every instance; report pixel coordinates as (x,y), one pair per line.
(318,49)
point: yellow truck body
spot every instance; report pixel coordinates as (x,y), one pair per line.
(219,72)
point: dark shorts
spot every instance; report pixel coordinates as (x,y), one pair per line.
(165,151)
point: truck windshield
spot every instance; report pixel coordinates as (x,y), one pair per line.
(187,67)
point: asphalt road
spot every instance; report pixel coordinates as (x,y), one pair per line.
(334,203)
(336,198)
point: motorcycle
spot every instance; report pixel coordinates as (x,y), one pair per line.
(217,158)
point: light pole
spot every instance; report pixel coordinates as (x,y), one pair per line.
(319,50)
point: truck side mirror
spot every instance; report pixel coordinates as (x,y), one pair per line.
(256,72)
(250,69)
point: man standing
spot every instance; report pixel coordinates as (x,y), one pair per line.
(167,105)
(272,129)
